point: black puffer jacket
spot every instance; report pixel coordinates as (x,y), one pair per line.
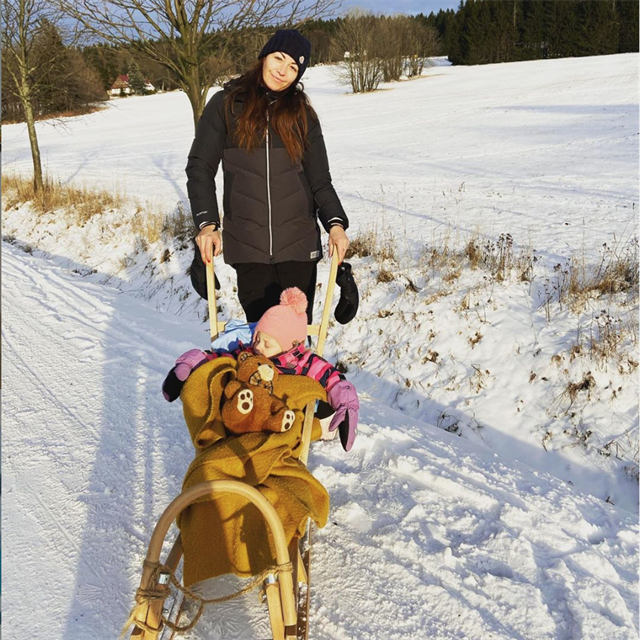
(271,205)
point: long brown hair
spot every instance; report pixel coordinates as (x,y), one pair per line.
(288,115)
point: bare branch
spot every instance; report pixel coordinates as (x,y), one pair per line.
(193,39)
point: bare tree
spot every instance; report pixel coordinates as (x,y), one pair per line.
(423,43)
(320,45)
(197,40)
(394,45)
(357,42)
(406,46)
(26,63)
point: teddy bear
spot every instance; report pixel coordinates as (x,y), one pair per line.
(248,402)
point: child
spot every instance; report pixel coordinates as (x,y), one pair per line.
(280,335)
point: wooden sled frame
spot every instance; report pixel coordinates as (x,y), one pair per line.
(288,615)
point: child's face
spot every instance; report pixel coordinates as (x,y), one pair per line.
(265,345)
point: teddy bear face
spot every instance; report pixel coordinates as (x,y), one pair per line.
(248,401)
(256,370)
(249,408)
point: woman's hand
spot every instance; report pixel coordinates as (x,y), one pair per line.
(208,241)
(338,241)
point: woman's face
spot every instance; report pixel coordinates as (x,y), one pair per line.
(279,71)
(265,345)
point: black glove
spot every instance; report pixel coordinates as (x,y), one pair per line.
(198,273)
(172,386)
(349,297)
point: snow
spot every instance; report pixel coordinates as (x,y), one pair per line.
(486,147)
(482,532)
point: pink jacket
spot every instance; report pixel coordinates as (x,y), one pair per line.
(297,361)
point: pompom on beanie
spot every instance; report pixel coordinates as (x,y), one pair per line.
(286,322)
(291,42)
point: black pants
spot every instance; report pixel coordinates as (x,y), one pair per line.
(260,285)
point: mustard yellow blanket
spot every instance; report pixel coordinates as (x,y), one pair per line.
(227,534)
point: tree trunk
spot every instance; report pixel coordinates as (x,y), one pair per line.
(196,92)
(197,97)
(25,99)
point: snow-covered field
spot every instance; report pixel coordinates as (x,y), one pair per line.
(523,528)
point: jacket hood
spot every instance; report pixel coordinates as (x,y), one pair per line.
(231,84)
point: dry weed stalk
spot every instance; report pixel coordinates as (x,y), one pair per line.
(616,272)
(574,284)
(499,258)
(179,224)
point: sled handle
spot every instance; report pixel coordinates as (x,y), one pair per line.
(322,330)
(211,299)
(269,513)
(216,327)
(324,324)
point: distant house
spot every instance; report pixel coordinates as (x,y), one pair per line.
(121,86)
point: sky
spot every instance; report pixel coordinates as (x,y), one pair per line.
(401,6)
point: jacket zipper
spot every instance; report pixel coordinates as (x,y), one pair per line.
(269,193)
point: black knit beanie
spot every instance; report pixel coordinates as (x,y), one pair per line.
(292,43)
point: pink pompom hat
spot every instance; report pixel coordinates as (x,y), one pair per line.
(286,322)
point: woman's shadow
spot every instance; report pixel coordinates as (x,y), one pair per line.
(142,452)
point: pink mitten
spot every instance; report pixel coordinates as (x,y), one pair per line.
(185,364)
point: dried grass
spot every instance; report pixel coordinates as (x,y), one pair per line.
(178,224)
(82,203)
(59,115)
(372,243)
(616,272)
(574,284)
(384,275)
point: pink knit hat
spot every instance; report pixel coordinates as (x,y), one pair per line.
(287,322)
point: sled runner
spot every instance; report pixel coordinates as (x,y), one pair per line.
(285,585)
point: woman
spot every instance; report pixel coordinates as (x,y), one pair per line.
(277,183)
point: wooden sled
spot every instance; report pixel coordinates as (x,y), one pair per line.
(287,590)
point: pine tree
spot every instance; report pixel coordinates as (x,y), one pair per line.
(453,37)
(136,80)
(533,45)
(504,32)
(605,32)
(627,11)
(105,59)
(471,35)
(50,70)
(489,31)
(561,28)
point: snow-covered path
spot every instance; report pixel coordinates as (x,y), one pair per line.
(88,461)
(430,536)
